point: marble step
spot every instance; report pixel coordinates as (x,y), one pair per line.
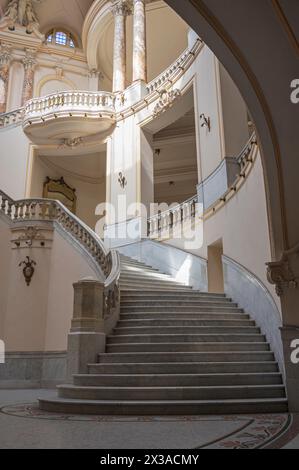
(181,309)
(159,408)
(215,329)
(185,321)
(236,367)
(172,393)
(137,287)
(182,315)
(192,338)
(220,356)
(177,303)
(172,296)
(186,347)
(187,380)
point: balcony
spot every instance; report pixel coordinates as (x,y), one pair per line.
(70,118)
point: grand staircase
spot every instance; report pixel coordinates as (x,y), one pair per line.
(176,351)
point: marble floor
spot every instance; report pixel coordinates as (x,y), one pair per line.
(24,426)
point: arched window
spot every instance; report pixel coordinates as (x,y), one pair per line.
(61,37)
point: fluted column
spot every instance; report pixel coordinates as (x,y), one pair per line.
(29,63)
(120,9)
(139,42)
(5,58)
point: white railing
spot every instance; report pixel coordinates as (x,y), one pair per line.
(71,101)
(37,210)
(171,219)
(11,118)
(168,221)
(179,66)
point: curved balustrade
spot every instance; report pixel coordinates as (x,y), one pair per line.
(179,66)
(37,210)
(81,101)
(187,211)
(68,117)
(171,219)
(11,118)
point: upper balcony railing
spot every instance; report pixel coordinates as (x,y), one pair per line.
(68,101)
(179,66)
(166,222)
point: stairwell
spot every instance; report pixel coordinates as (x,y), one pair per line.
(176,351)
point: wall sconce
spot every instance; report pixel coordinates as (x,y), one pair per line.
(206,122)
(122,180)
(28,270)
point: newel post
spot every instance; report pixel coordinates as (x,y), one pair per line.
(87,337)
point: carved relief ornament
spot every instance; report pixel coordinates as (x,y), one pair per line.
(167,99)
(281,274)
(121,8)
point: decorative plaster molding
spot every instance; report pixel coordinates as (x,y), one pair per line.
(121,7)
(167,99)
(281,273)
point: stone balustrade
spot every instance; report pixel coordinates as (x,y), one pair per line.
(80,101)
(40,210)
(12,118)
(175,217)
(178,67)
(171,219)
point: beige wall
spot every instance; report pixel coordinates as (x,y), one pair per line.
(14,150)
(242,225)
(37,317)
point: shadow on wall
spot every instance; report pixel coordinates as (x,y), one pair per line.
(253,296)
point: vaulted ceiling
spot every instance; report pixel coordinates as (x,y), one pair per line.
(67,13)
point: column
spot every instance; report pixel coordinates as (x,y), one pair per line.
(284,274)
(5,58)
(95,78)
(139,42)
(29,63)
(120,9)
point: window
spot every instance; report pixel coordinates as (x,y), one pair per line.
(61,38)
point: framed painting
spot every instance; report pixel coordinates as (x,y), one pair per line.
(60,191)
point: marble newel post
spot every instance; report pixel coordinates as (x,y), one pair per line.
(29,63)
(139,42)
(120,9)
(5,58)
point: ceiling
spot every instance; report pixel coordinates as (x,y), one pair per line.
(67,13)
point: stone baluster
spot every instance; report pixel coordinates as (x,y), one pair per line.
(5,59)
(120,9)
(139,42)
(29,63)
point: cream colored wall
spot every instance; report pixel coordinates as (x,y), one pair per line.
(5,254)
(67,266)
(37,317)
(235,117)
(207,102)
(242,225)
(16,78)
(14,150)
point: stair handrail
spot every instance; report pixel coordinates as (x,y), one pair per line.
(39,209)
